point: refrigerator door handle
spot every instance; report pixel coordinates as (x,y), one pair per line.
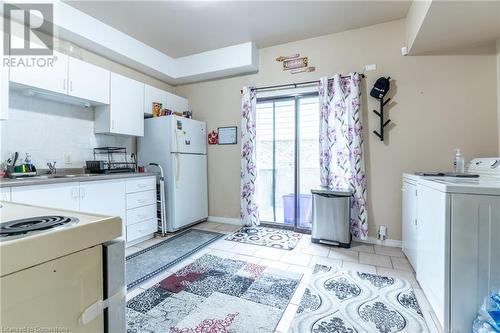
(98,307)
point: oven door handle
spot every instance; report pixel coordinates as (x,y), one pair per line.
(98,307)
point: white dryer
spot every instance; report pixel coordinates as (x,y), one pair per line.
(458,242)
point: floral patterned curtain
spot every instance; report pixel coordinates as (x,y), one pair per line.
(249,211)
(341,144)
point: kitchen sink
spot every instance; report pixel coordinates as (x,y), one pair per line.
(73,175)
(79,175)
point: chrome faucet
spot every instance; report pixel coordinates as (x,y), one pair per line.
(52,168)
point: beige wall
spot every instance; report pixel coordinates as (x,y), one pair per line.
(441,103)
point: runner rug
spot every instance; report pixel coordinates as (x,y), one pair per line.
(149,262)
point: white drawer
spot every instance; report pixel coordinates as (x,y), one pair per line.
(140,199)
(140,214)
(140,184)
(141,229)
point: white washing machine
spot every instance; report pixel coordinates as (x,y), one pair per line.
(458,242)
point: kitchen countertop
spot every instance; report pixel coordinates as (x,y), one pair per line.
(19,253)
(7,182)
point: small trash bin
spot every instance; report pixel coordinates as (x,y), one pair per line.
(331,216)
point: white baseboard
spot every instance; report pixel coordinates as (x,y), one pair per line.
(227,220)
(387,242)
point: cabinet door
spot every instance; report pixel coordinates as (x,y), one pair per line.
(103,197)
(52,78)
(88,81)
(153,95)
(5,194)
(409,226)
(4,85)
(61,196)
(177,103)
(4,92)
(127,106)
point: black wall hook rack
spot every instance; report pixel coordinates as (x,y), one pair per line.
(383,123)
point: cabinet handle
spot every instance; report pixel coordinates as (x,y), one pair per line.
(82,192)
(64,84)
(74,194)
(141,201)
(112,124)
(70,85)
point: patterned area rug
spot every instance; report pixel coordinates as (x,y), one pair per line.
(214,294)
(277,238)
(149,262)
(354,302)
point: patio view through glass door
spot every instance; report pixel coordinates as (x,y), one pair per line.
(287,159)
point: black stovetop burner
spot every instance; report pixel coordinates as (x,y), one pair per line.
(33,224)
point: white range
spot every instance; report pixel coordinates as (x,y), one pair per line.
(451,232)
(60,271)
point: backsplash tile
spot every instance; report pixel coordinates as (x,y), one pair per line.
(48,130)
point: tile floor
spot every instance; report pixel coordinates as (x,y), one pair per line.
(368,258)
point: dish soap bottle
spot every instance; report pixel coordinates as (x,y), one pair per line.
(458,162)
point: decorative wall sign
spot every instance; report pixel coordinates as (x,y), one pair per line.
(228,135)
(303,70)
(283,58)
(295,64)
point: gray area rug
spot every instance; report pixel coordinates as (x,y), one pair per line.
(214,295)
(149,262)
(355,302)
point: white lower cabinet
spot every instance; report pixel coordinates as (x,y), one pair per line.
(133,200)
(141,209)
(5,194)
(104,197)
(60,196)
(140,230)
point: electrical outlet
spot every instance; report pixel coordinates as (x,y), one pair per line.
(67,158)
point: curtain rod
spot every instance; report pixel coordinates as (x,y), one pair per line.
(294,85)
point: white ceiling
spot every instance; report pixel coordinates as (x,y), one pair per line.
(458,26)
(179,28)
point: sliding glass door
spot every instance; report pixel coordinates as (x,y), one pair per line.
(287,159)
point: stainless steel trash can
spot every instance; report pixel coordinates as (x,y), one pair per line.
(331,216)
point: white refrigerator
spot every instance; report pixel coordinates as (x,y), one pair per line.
(179,145)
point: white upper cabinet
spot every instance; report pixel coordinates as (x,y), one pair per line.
(52,78)
(88,81)
(125,114)
(4,93)
(176,103)
(153,95)
(4,86)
